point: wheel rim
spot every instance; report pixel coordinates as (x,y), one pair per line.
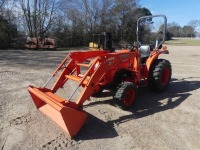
(165,76)
(129,97)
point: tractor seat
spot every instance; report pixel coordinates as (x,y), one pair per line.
(144,51)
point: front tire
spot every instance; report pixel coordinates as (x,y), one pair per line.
(125,95)
(160,75)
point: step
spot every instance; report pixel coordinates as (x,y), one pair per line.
(77,79)
(84,65)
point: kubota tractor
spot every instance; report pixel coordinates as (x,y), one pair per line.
(122,71)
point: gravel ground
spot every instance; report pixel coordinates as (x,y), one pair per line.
(169,120)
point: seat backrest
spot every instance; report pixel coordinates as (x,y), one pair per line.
(144,51)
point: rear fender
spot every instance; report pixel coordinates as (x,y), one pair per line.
(153,57)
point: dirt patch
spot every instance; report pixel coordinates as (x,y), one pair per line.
(157,121)
(195,55)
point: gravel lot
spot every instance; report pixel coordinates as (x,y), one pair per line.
(170,120)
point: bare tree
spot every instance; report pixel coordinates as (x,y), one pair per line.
(196,25)
(123,11)
(188,31)
(92,13)
(39,15)
(8,28)
(175,29)
(2,2)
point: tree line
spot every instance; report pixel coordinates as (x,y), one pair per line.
(175,30)
(70,22)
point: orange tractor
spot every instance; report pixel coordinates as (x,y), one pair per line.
(123,70)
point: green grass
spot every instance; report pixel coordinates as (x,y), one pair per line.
(184,42)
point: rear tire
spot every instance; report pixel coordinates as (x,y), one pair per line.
(160,75)
(125,95)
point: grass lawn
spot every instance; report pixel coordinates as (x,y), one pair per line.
(184,42)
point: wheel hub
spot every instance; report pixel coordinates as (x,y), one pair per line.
(129,97)
(165,76)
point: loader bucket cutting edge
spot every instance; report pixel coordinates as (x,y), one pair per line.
(69,119)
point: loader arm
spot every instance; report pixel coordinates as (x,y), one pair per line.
(74,58)
(67,114)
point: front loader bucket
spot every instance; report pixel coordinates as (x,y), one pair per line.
(69,119)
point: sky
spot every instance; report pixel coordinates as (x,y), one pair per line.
(179,11)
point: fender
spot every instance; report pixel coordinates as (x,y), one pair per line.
(154,55)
